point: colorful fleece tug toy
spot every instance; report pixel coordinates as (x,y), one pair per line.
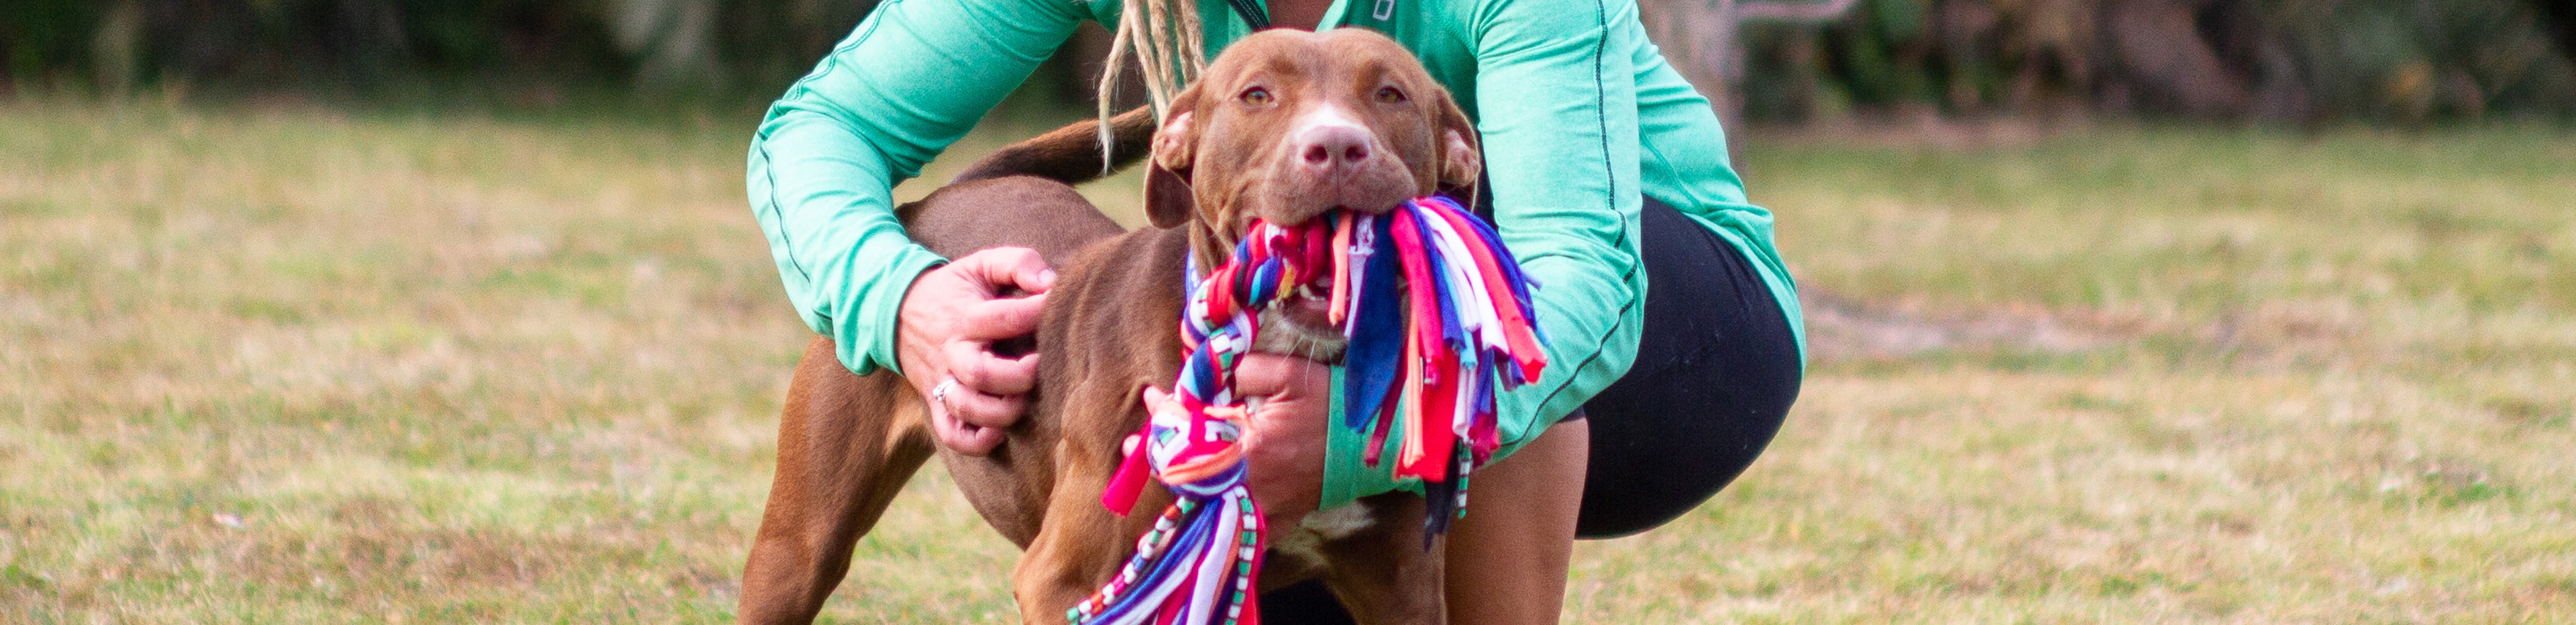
(1438,316)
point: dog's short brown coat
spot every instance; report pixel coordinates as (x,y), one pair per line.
(847,443)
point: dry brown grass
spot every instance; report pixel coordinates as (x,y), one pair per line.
(296,365)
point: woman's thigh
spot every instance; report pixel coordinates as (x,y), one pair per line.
(1716,370)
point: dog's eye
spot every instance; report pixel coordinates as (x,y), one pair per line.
(1390,95)
(1255,96)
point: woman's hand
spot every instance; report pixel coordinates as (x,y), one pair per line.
(1284,443)
(944,339)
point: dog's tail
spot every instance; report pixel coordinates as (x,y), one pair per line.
(1071,154)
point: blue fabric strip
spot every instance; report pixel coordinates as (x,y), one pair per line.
(1377,346)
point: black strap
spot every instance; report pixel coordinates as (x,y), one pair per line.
(1251,12)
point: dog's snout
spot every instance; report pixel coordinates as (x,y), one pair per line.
(1337,146)
(1331,143)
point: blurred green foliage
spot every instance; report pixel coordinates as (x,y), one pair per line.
(368,45)
(2293,60)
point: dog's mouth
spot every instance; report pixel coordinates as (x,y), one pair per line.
(1376,208)
(1291,213)
(1307,307)
(1292,200)
(1301,325)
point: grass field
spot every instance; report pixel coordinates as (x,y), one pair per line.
(295,364)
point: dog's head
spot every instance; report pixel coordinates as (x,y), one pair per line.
(1286,125)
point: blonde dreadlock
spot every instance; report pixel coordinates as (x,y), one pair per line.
(1163,38)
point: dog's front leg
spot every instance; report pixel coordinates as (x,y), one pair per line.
(1507,557)
(1080,545)
(1381,571)
(846,444)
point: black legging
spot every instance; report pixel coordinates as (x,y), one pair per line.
(1716,370)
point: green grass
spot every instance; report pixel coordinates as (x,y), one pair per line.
(295,364)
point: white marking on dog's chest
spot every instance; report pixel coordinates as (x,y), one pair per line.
(1306,541)
(1339,523)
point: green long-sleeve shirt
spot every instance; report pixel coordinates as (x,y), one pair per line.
(1579,113)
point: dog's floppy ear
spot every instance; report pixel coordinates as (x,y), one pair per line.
(1169,202)
(1168,198)
(1462,159)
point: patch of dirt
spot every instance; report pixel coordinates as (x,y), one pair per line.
(1847,329)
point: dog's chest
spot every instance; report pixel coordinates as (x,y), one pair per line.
(1303,546)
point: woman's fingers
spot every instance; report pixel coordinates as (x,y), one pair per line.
(1000,318)
(976,366)
(951,316)
(957,435)
(1016,267)
(992,412)
(1285,441)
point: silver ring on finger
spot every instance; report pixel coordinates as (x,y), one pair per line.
(939,394)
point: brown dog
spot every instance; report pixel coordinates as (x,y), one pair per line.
(1285,125)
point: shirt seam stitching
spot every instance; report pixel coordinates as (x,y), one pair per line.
(1601,111)
(769,169)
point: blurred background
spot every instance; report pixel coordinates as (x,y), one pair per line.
(2392,61)
(2119,311)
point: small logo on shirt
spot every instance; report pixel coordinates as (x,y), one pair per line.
(1384,9)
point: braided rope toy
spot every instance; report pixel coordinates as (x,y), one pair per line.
(1438,316)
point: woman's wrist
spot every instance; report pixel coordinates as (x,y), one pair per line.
(916,331)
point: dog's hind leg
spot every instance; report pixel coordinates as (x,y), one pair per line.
(846,444)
